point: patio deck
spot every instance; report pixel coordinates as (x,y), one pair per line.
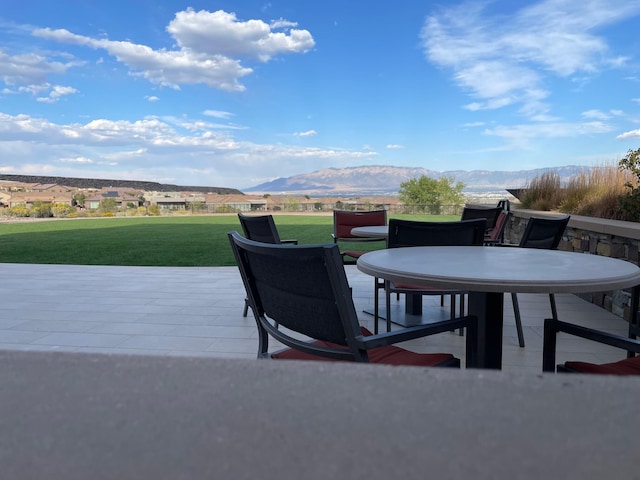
(197,311)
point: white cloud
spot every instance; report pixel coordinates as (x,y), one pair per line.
(44,93)
(56,93)
(308,133)
(631,135)
(77,160)
(395,147)
(152,98)
(520,135)
(31,68)
(502,60)
(217,114)
(208,43)
(600,115)
(220,33)
(152,149)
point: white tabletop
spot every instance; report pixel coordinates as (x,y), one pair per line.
(501,269)
(374,231)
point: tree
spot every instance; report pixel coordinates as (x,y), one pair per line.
(429,194)
(629,204)
(79,199)
(108,205)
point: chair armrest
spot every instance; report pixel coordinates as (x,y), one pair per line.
(402,335)
(410,333)
(359,239)
(552,327)
(294,242)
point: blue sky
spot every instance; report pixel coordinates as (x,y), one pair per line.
(233,94)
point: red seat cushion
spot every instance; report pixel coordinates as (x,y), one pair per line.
(353,253)
(388,355)
(628,366)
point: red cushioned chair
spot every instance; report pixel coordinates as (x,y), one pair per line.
(627,366)
(304,290)
(344,221)
(491,214)
(496,234)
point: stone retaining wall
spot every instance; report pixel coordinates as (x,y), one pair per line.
(611,238)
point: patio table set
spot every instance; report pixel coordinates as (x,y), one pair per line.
(478,271)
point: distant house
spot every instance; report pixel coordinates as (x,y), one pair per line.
(41,193)
(240,203)
(121,198)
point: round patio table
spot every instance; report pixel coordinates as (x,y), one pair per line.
(488,272)
(372,231)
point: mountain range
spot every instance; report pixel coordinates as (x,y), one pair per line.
(386,180)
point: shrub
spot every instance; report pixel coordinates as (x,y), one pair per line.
(596,193)
(154,210)
(604,192)
(41,210)
(18,211)
(629,204)
(108,205)
(543,192)
(62,210)
(225,209)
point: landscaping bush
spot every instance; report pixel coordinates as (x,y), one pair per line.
(604,192)
(629,203)
(62,210)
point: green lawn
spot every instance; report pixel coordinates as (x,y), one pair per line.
(151,241)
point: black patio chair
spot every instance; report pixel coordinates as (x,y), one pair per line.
(409,233)
(545,233)
(491,214)
(304,290)
(627,366)
(260,228)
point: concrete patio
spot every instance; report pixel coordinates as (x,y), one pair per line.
(197,311)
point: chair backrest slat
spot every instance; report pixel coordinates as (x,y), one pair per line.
(544,233)
(409,233)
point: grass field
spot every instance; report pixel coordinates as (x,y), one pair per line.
(152,241)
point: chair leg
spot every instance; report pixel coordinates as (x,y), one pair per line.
(516,312)
(376,306)
(462,310)
(554,310)
(387,300)
(452,305)
(245,312)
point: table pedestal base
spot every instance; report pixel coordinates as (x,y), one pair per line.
(489,308)
(399,315)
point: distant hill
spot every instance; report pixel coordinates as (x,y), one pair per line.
(386,180)
(101,183)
